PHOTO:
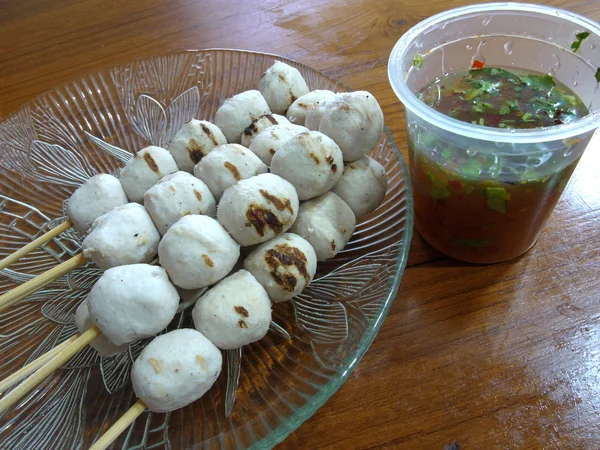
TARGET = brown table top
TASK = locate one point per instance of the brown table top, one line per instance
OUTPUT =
(501, 356)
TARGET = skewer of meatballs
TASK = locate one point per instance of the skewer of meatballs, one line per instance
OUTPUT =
(283, 172)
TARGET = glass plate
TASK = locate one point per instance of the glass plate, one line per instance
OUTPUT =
(52, 145)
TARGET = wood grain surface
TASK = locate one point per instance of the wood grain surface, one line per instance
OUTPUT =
(485, 357)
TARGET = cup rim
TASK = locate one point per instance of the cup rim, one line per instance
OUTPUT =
(517, 136)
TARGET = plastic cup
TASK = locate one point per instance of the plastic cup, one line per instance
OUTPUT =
(493, 210)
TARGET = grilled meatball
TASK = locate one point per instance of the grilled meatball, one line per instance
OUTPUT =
(96, 196)
(175, 369)
(226, 165)
(327, 222)
(235, 312)
(258, 209)
(261, 124)
(238, 112)
(299, 109)
(281, 85)
(362, 185)
(354, 120)
(311, 161)
(177, 195)
(125, 235)
(197, 252)
(132, 302)
(284, 266)
(194, 141)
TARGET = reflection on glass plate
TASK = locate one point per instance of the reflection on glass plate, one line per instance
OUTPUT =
(90, 125)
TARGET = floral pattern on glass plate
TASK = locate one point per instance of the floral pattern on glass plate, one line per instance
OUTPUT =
(267, 389)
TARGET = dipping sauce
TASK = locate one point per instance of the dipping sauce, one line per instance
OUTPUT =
(481, 206)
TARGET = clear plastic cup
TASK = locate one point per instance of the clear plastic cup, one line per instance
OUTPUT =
(493, 210)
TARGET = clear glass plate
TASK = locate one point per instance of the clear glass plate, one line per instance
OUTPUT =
(52, 145)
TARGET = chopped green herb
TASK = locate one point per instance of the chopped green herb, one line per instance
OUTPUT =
(482, 87)
(504, 109)
(579, 39)
(598, 75)
(502, 125)
(496, 198)
(481, 122)
(454, 112)
(514, 105)
(418, 61)
(447, 153)
(548, 106)
(538, 82)
(438, 190)
(495, 192)
(470, 171)
(463, 242)
(482, 107)
(526, 117)
(572, 99)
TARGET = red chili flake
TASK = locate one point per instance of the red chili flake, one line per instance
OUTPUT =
(477, 64)
(454, 184)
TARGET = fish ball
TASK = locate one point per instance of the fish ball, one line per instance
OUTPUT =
(362, 186)
(281, 85)
(177, 195)
(327, 222)
(311, 161)
(261, 124)
(96, 196)
(143, 171)
(226, 165)
(258, 209)
(267, 142)
(133, 302)
(284, 266)
(197, 252)
(238, 112)
(354, 120)
(124, 235)
(175, 369)
(235, 312)
(194, 141)
(299, 109)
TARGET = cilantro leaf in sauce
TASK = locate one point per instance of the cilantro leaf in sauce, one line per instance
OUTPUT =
(504, 109)
(418, 61)
(438, 189)
(482, 107)
(579, 39)
(496, 198)
(598, 75)
(538, 82)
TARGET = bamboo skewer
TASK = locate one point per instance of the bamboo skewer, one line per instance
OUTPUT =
(119, 426)
(62, 357)
(51, 354)
(40, 281)
(36, 243)
(34, 365)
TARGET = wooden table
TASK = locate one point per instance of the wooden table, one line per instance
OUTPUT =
(502, 356)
